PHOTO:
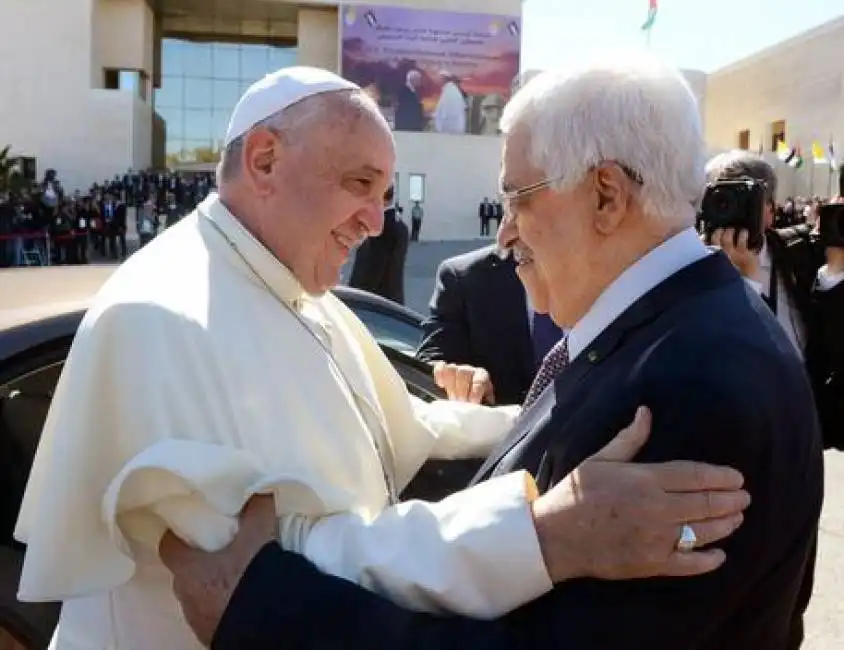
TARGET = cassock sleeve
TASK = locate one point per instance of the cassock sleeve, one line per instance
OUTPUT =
(474, 553)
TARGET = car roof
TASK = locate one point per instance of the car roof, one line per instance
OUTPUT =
(32, 294)
(29, 294)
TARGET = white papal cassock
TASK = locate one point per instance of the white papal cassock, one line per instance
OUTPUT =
(192, 385)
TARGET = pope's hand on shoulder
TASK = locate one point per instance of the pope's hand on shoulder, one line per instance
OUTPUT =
(609, 519)
(464, 383)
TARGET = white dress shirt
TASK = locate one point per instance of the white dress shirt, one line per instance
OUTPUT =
(665, 260)
(192, 385)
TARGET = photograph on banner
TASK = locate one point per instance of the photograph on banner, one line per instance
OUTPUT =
(437, 71)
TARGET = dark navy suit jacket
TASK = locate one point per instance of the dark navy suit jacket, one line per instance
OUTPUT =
(725, 386)
(479, 317)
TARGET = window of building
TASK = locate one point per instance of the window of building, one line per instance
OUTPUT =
(777, 133)
(133, 81)
(416, 187)
(744, 139)
(200, 84)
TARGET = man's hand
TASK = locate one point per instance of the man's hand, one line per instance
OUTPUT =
(204, 582)
(464, 383)
(614, 520)
(744, 259)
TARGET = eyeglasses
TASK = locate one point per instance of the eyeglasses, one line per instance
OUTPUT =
(509, 198)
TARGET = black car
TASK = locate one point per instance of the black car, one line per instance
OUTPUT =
(40, 311)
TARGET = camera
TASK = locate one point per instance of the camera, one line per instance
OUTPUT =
(831, 230)
(735, 203)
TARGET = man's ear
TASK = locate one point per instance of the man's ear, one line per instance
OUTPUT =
(612, 195)
(260, 156)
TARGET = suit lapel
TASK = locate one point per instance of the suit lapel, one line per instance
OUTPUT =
(710, 272)
(555, 395)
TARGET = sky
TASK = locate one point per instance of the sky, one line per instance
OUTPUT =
(691, 34)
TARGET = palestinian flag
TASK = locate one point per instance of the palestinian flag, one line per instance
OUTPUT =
(651, 19)
(796, 161)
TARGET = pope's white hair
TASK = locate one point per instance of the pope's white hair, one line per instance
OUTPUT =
(627, 108)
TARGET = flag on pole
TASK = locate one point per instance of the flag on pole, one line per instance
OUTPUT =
(833, 163)
(796, 161)
(784, 152)
(651, 19)
(818, 154)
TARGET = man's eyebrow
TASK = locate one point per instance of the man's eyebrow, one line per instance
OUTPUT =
(369, 169)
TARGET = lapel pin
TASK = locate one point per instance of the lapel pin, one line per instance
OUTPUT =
(592, 356)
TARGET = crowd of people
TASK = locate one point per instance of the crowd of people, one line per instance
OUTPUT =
(41, 223)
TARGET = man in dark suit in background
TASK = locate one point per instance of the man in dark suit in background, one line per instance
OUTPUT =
(379, 261)
(601, 224)
(480, 317)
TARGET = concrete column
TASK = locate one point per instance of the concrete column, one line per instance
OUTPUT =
(318, 38)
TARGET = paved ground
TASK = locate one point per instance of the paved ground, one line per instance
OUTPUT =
(825, 619)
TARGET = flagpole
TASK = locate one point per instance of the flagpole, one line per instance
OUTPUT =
(812, 178)
(831, 163)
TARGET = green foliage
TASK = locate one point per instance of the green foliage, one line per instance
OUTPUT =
(11, 178)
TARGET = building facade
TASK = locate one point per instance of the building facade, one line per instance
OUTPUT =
(792, 92)
(151, 83)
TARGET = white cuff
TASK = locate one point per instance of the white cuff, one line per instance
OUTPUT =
(475, 553)
(827, 280)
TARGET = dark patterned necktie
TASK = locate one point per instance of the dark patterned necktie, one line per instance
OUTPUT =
(552, 365)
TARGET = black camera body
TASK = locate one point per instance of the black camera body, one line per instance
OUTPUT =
(735, 203)
(831, 230)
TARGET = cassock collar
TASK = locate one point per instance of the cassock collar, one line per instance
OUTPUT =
(277, 276)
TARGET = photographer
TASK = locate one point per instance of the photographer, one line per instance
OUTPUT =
(799, 275)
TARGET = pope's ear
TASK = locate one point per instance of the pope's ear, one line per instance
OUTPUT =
(259, 158)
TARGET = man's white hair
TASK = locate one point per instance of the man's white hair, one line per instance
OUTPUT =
(629, 109)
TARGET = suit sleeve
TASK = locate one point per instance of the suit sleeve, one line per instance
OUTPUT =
(824, 356)
(446, 331)
(282, 598)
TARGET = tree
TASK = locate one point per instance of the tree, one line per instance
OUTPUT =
(11, 178)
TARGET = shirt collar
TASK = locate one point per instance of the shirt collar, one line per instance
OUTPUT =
(278, 277)
(665, 260)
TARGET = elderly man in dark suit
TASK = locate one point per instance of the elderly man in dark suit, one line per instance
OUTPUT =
(600, 214)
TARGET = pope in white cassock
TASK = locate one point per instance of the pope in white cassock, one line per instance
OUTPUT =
(207, 371)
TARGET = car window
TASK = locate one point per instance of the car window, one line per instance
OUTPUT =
(389, 330)
(24, 402)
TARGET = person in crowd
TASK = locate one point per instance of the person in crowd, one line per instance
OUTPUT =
(800, 280)
(417, 213)
(600, 215)
(486, 213)
(263, 381)
(380, 260)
